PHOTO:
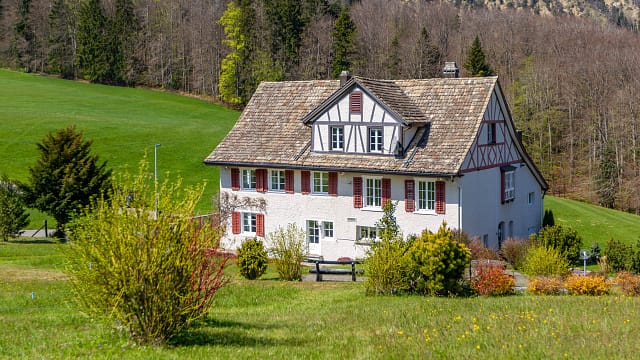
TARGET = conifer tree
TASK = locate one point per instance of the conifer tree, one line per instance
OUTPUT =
(476, 64)
(23, 45)
(66, 176)
(13, 215)
(122, 30)
(429, 57)
(61, 50)
(343, 43)
(93, 55)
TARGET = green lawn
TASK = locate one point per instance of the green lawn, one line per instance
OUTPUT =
(594, 223)
(269, 319)
(123, 123)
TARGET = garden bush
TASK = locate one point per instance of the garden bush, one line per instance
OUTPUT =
(436, 263)
(562, 238)
(513, 251)
(481, 252)
(252, 259)
(491, 280)
(544, 285)
(386, 268)
(619, 255)
(13, 212)
(587, 285)
(289, 248)
(543, 261)
(627, 283)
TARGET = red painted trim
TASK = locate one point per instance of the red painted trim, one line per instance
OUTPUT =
(333, 183)
(261, 179)
(440, 197)
(235, 222)
(357, 192)
(409, 196)
(355, 102)
(235, 179)
(386, 191)
(260, 224)
(288, 181)
(305, 182)
(491, 166)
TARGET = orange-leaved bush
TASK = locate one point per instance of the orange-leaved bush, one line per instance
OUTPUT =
(587, 285)
(491, 280)
(545, 285)
(627, 283)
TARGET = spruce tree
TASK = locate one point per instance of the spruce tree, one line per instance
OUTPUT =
(476, 64)
(343, 43)
(123, 29)
(66, 176)
(61, 50)
(93, 54)
(13, 214)
(23, 46)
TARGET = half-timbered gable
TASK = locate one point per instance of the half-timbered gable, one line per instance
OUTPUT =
(327, 156)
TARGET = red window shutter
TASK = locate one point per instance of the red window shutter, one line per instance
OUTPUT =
(357, 192)
(260, 180)
(333, 183)
(409, 196)
(440, 201)
(355, 102)
(305, 182)
(288, 181)
(265, 180)
(386, 191)
(235, 222)
(502, 187)
(235, 179)
(260, 224)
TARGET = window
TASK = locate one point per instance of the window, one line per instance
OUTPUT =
(320, 182)
(491, 133)
(277, 180)
(327, 229)
(313, 231)
(531, 198)
(427, 195)
(373, 192)
(375, 140)
(367, 233)
(249, 179)
(337, 138)
(249, 222)
(509, 185)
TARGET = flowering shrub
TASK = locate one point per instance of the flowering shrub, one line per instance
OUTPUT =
(587, 285)
(544, 285)
(543, 261)
(628, 283)
(490, 280)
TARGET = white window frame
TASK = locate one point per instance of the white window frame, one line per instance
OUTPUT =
(248, 179)
(279, 184)
(320, 182)
(249, 223)
(368, 230)
(328, 232)
(372, 192)
(337, 138)
(313, 231)
(509, 185)
(426, 196)
(376, 139)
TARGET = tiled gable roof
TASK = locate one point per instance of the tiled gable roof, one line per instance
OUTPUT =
(270, 131)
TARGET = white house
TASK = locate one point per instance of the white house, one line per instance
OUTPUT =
(326, 155)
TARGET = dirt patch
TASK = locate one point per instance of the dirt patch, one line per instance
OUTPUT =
(13, 273)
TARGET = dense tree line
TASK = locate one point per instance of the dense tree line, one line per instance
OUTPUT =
(573, 83)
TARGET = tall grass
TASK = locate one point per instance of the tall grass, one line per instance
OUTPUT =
(309, 320)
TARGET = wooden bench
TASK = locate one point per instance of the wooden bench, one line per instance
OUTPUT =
(319, 271)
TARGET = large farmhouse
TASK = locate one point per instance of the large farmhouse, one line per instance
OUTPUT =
(327, 155)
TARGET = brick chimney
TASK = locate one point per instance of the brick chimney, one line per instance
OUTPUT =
(450, 70)
(344, 77)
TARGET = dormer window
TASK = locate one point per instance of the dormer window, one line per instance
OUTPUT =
(337, 138)
(375, 140)
(355, 102)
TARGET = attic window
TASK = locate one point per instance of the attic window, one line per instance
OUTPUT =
(355, 102)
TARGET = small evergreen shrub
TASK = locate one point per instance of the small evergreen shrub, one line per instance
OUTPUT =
(491, 280)
(627, 283)
(544, 285)
(562, 238)
(513, 251)
(436, 263)
(386, 267)
(587, 285)
(543, 261)
(619, 255)
(252, 259)
(289, 249)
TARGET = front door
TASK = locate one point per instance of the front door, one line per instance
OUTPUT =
(313, 237)
(500, 234)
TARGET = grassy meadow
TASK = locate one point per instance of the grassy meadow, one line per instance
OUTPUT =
(124, 124)
(267, 318)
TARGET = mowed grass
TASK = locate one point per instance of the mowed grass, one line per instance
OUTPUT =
(269, 319)
(594, 223)
(124, 124)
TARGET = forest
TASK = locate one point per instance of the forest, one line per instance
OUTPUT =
(572, 83)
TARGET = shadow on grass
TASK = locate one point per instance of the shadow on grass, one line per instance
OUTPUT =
(34, 241)
(211, 332)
